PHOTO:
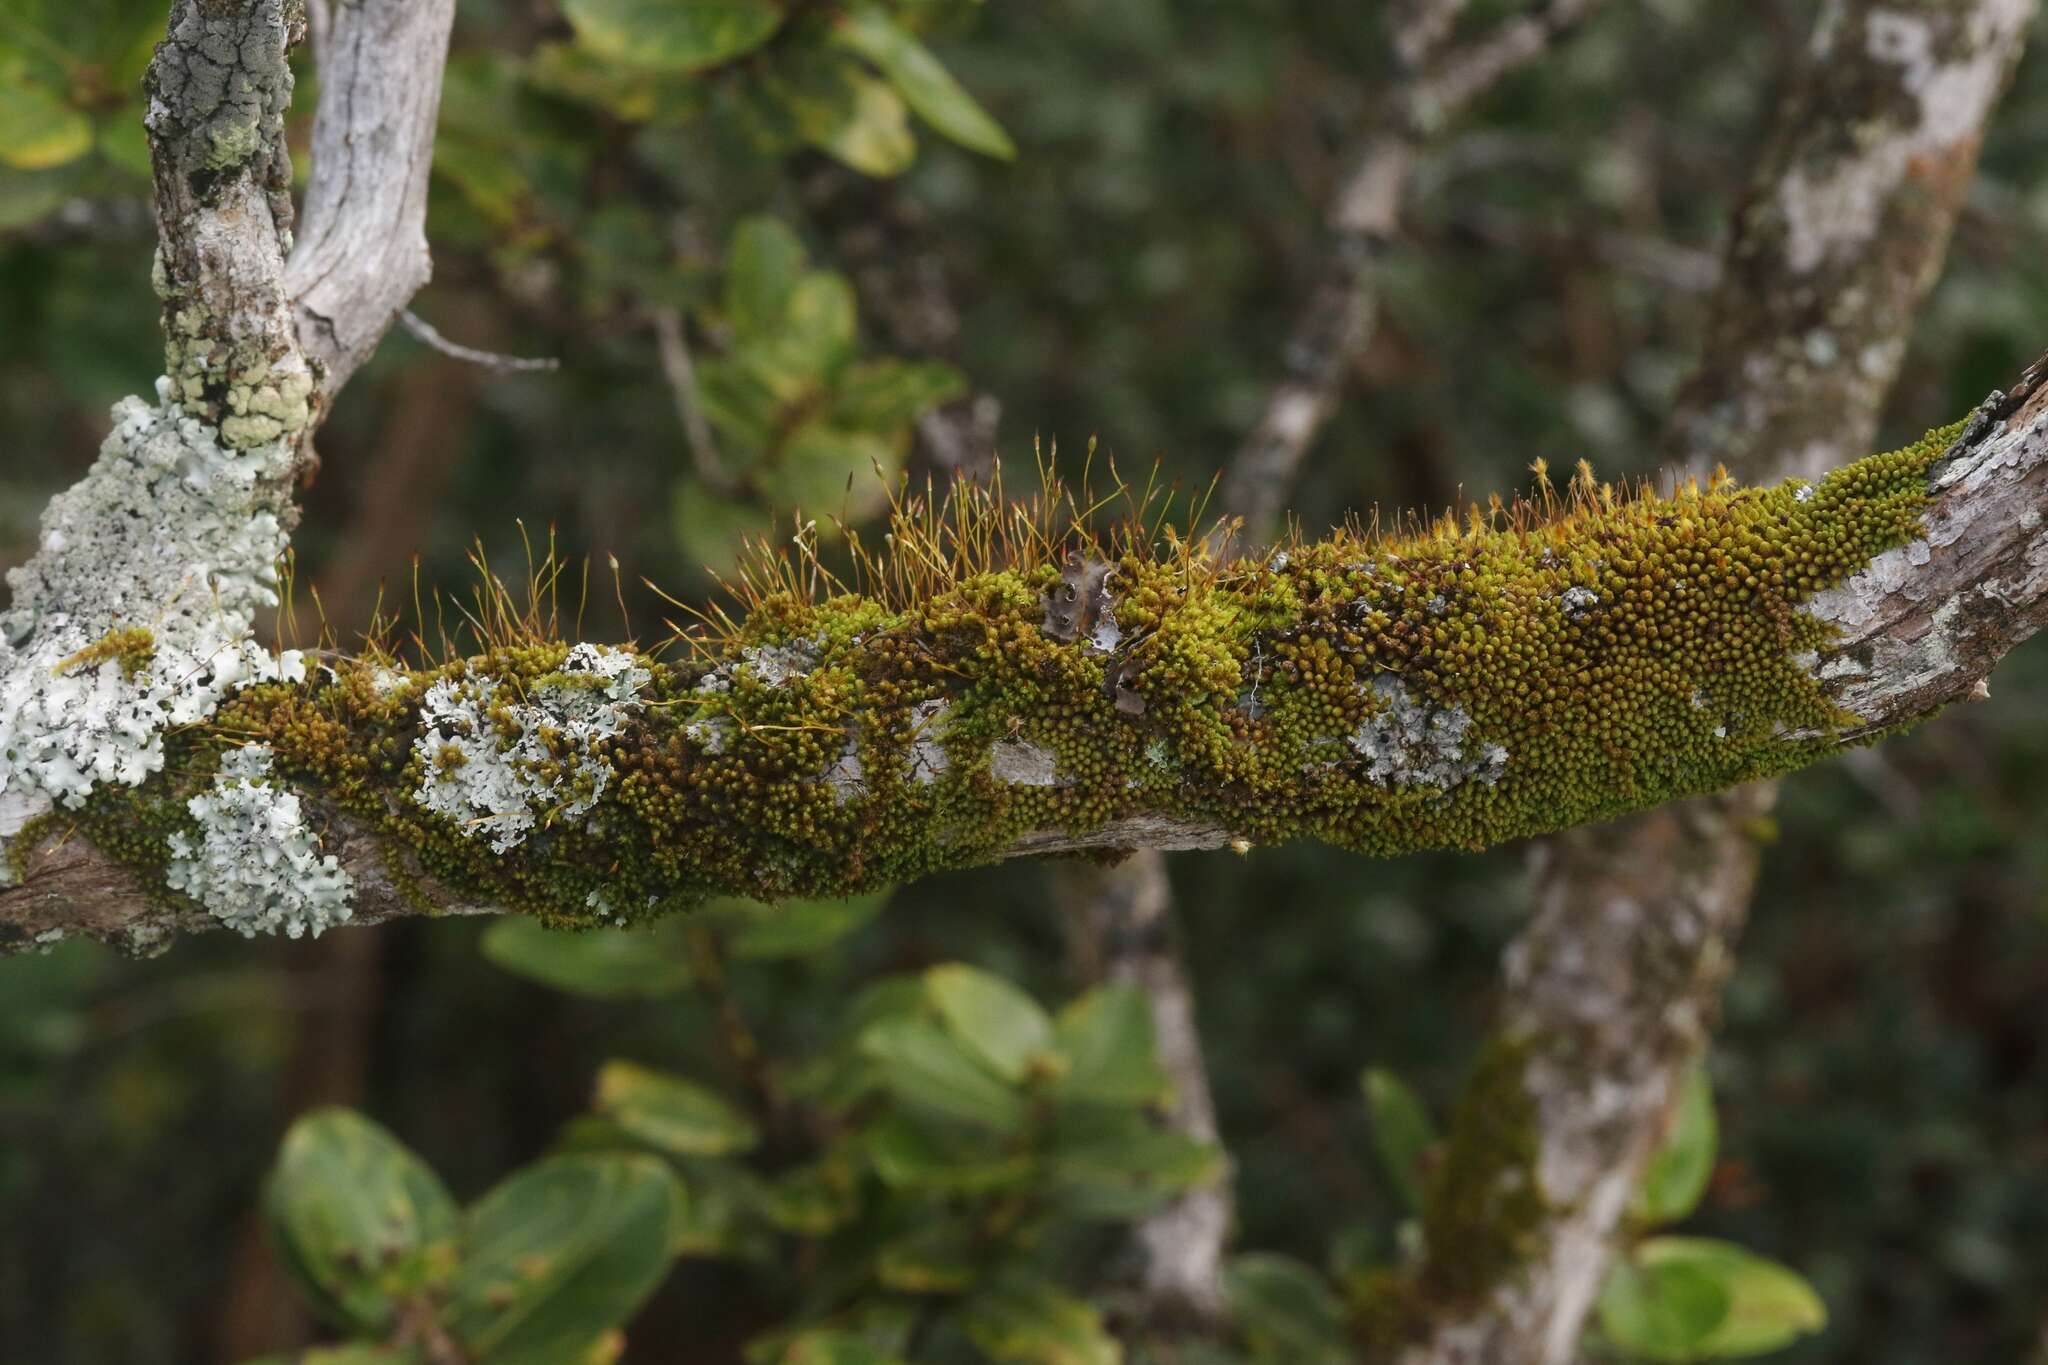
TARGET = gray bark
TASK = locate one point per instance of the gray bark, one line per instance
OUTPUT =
(362, 248)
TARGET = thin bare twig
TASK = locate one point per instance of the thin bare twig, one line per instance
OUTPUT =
(681, 373)
(422, 330)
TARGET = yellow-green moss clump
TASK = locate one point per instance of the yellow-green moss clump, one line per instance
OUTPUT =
(1465, 684)
(132, 646)
(1482, 1208)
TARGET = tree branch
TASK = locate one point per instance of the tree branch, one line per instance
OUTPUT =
(1341, 691)
(362, 247)
(1364, 217)
(1616, 978)
(219, 86)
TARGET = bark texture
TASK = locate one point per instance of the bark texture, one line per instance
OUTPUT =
(219, 87)
(1837, 240)
(362, 247)
(1843, 230)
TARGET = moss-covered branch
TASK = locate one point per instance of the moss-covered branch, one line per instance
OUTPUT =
(1477, 681)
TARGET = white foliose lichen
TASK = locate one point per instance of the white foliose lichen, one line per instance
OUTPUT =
(536, 758)
(1410, 743)
(256, 866)
(170, 531)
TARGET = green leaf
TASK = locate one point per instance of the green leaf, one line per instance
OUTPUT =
(361, 1220)
(888, 395)
(937, 1257)
(38, 129)
(722, 1216)
(673, 1114)
(924, 1065)
(826, 469)
(604, 964)
(762, 265)
(1109, 1162)
(710, 529)
(360, 1353)
(1678, 1173)
(1401, 1134)
(560, 1254)
(839, 108)
(742, 405)
(928, 87)
(831, 1347)
(817, 332)
(816, 1199)
(804, 928)
(1106, 1040)
(1001, 1024)
(1034, 1322)
(672, 35)
(1663, 1312)
(124, 144)
(1285, 1310)
(907, 1154)
(874, 138)
(1769, 1305)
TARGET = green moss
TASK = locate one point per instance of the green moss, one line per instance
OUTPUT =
(1483, 1203)
(1621, 652)
(1482, 1210)
(133, 646)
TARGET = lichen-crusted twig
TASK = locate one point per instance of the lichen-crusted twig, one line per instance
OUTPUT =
(1462, 685)
(218, 90)
(1364, 216)
(1617, 975)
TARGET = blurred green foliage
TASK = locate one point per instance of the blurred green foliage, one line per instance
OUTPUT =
(817, 1133)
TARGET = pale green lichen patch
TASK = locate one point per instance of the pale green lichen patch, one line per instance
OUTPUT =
(251, 860)
(134, 614)
(497, 759)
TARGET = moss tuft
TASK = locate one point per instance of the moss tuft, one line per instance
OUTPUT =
(134, 647)
(1482, 1209)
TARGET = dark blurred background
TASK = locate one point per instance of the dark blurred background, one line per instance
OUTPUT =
(1883, 1069)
